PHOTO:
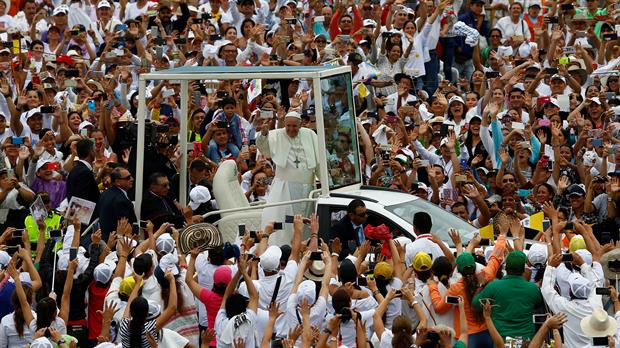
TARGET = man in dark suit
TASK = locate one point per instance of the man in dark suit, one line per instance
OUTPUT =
(114, 203)
(196, 176)
(350, 229)
(81, 180)
(157, 205)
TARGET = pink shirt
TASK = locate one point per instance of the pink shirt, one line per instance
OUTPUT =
(212, 302)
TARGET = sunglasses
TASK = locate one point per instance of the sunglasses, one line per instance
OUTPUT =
(364, 214)
(508, 180)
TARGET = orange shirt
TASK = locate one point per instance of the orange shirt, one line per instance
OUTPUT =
(458, 289)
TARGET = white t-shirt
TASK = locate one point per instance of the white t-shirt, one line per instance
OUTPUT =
(171, 339)
(268, 285)
(247, 333)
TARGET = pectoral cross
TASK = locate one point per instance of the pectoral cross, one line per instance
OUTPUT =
(296, 161)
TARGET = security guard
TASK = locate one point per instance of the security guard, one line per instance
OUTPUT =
(52, 221)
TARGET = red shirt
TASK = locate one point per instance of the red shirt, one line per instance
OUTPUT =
(96, 296)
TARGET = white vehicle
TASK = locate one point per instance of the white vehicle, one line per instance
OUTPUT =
(334, 107)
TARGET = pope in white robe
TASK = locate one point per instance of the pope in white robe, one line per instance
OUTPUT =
(294, 150)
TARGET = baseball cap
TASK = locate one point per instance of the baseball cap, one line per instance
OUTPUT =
(62, 9)
(270, 259)
(515, 262)
(576, 189)
(537, 254)
(456, 98)
(307, 291)
(85, 124)
(199, 195)
(384, 270)
(558, 77)
(422, 262)
(103, 272)
(222, 275)
(165, 244)
(41, 342)
(169, 262)
(465, 263)
(576, 243)
(103, 3)
(4, 258)
(369, 22)
(126, 286)
(579, 286)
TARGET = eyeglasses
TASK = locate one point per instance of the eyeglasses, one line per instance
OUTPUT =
(364, 214)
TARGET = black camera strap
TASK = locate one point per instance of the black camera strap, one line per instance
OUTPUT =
(274, 296)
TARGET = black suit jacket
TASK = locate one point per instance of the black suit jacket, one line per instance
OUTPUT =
(81, 183)
(159, 210)
(343, 230)
(114, 205)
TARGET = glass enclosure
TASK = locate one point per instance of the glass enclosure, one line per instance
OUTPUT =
(340, 132)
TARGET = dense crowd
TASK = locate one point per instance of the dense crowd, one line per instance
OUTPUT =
(503, 113)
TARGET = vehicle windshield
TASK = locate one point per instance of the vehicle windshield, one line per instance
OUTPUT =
(442, 220)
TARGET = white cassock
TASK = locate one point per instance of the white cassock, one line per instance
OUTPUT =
(297, 165)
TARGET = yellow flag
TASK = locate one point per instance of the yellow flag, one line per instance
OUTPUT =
(363, 92)
(536, 221)
(487, 232)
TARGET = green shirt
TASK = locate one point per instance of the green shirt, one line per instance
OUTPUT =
(515, 300)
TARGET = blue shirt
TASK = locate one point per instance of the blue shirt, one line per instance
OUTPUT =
(470, 19)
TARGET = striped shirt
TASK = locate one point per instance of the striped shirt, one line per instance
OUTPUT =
(125, 333)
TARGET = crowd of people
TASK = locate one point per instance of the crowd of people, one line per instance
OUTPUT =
(500, 112)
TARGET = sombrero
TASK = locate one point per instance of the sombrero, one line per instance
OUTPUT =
(204, 236)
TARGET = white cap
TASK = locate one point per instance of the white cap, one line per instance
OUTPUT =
(103, 272)
(596, 100)
(369, 22)
(580, 286)
(41, 342)
(198, 195)
(73, 53)
(270, 259)
(537, 254)
(41, 162)
(85, 124)
(456, 98)
(558, 77)
(165, 244)
(306, 290)
(103, 3)
(4, 259)
(169, 262)
(61, 9)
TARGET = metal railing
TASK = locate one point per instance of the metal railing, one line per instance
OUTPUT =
(262, 205)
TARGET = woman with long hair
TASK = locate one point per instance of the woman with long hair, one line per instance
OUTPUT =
(14, 330)
(46, 313)
(466, 288)
(136, 324)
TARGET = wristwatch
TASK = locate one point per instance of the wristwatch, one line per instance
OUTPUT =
(60, 341)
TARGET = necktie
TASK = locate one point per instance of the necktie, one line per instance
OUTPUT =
(360, 234)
